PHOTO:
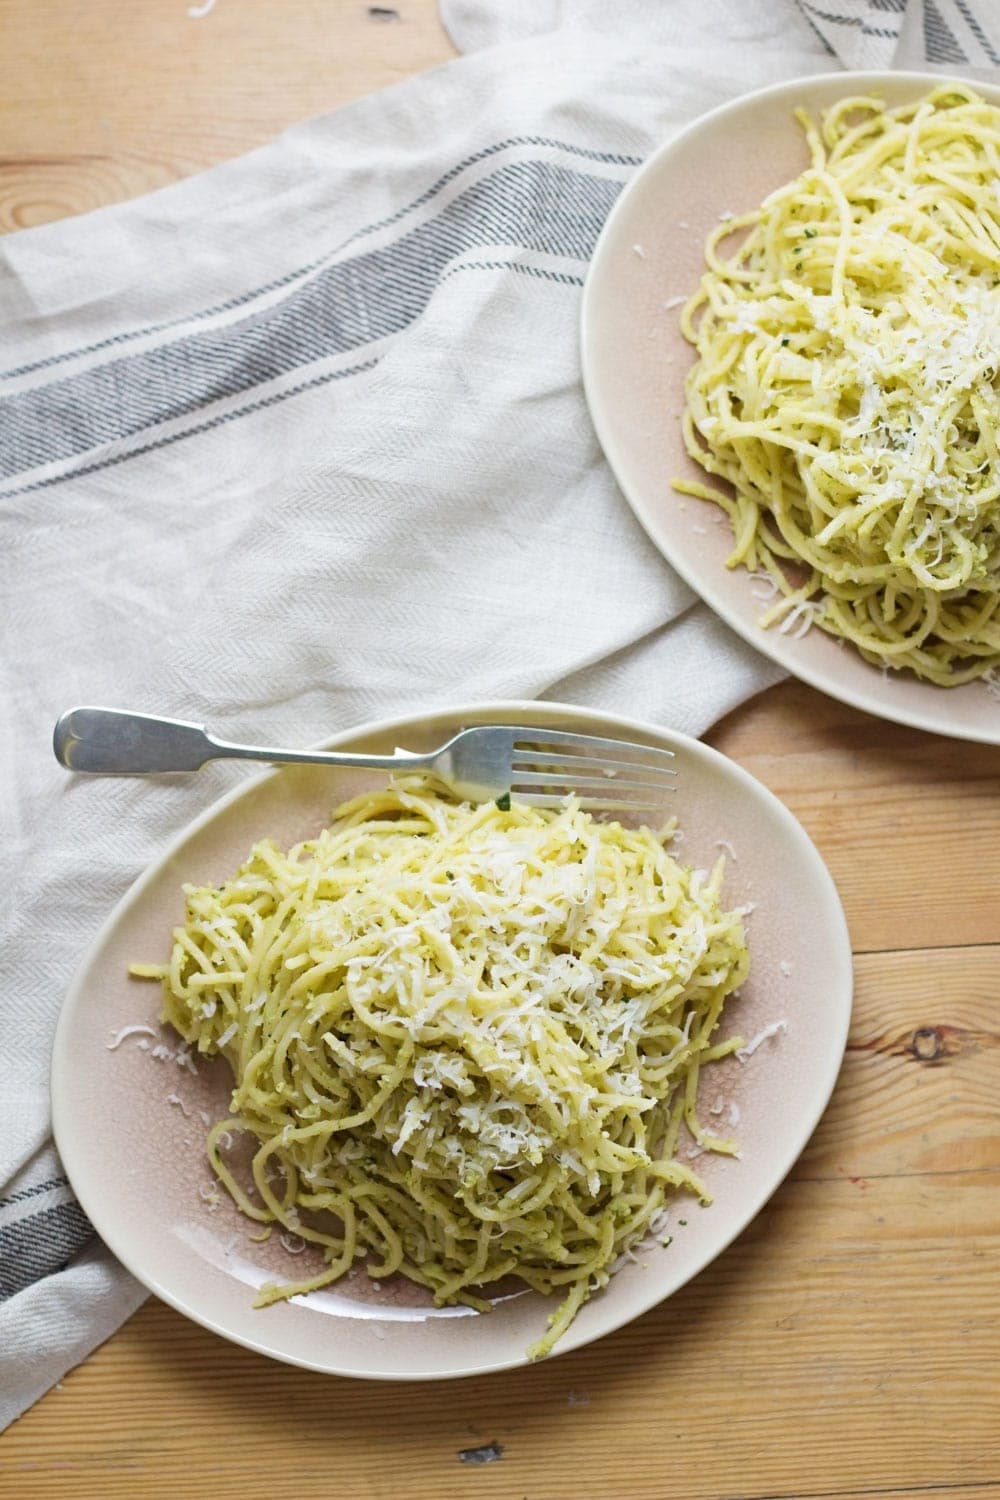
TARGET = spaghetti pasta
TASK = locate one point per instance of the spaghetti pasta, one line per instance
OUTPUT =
(464, 1038)
(846, 384)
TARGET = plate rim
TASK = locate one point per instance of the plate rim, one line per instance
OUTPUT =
(765, 642)
(839, 996)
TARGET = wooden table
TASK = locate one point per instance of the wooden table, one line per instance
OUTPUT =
(848, 1344)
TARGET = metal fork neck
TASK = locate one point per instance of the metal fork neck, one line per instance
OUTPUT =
(226, 750)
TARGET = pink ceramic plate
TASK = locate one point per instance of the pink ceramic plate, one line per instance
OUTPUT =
(130, 1126)
(635, 360)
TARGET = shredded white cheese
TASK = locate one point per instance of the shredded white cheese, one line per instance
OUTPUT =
(501, 1004)
(745, 1053)
(128, 1031)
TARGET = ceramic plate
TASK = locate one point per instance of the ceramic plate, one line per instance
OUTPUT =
(635, 360)
(130, 1126)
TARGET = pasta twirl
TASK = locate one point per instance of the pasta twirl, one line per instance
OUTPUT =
(464, 1038)
(846, 384)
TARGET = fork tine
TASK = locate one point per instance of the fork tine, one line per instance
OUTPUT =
(588, 804)
(564, 776)
(583, 743)
(570, 766)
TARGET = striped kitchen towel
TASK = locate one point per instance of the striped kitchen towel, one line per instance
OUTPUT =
(301, 441)
(918, 34)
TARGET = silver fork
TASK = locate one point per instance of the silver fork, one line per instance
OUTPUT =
(532, 764)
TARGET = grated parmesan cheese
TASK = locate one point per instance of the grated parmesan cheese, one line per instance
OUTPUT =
(126, 1032)
(745, 1053)
(501, 1009)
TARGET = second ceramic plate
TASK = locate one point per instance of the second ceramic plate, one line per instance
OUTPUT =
(635, 359)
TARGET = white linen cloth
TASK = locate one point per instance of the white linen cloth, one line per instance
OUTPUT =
(301, 441)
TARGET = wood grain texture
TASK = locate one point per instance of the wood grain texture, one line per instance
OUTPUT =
(908, 822)
(918, 1092)
(847, 1345)
(105, 100)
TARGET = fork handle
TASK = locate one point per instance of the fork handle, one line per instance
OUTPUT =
(114, 742)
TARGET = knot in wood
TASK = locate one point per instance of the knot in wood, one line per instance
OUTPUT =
(927, 1044)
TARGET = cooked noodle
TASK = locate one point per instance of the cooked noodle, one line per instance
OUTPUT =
(846, 384)
(465, 1038)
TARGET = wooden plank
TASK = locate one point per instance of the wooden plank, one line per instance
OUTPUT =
(102, 101)
(919, 1088)
(909, 823)
(945, 1491)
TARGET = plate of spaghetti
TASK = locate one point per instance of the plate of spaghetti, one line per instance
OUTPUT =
(386, 1084)
(791, 349)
